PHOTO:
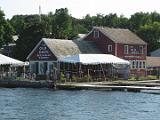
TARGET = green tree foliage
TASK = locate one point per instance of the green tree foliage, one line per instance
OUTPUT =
(123, 22)
(9, 31)
(151, 34)
(28, 39)
(88, 22)
(139, 19)
(111, 20)
(6, 30)
(155, 17)
(30, 30)
(62, 24)
(80, 29)
(2, 21)
(19, 22)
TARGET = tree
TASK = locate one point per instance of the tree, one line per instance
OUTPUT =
(2, 21)
(18, 23)
(139, 19)
(80, 29)
(46, 21)
(88, 22)
(9, 31)
(151, 34)
(6, 30)
(155, 17)
(123, 22)
(111, 20)
(28, 39)
(62, 24)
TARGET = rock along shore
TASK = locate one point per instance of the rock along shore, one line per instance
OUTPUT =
(12, 83)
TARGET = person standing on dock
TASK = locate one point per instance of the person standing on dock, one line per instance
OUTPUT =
(55, 77)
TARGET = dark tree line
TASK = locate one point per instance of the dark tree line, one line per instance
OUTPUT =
(6, 30)
(31, 28)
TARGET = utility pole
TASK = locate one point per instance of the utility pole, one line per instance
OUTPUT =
(40, 12)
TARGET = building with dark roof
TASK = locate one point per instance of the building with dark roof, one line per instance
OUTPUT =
(46, 53)
(7, 49)
(156, 53)
(122, 43)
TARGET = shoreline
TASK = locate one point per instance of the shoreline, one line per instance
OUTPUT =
(7, 83)
(123, 85)
(129, 86)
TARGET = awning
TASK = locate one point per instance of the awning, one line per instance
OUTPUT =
(94, 59)
(5, 60)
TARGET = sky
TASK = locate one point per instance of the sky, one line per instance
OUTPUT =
(79, 8)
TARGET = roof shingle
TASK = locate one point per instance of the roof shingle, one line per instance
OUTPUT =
(61, 48)
(118, 35)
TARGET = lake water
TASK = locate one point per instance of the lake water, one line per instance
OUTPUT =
(45, 104)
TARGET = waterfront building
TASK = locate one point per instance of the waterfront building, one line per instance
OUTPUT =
(44, 56)
(122, 43)
(7, 49)
(100, 40)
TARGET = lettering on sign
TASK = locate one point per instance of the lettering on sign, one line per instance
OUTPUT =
(132, 56)
(43, 52)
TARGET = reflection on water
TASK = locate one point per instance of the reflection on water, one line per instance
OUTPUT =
(45, 104)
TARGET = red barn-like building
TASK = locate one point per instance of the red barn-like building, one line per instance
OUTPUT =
(122, 43)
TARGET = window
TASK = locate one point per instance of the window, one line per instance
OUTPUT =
(45, 67)
(140, 64)
(125, 49)
(140, 49)
(96, 34)
(133, 64)
(35, 67)
(109, 48)
(137, 64)
(144, 65)
(50, 68)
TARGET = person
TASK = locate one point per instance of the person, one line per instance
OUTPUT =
(67, 74)
(55, 73)
(51, 75)
(47, 74)
(33, 76)
(28, 75)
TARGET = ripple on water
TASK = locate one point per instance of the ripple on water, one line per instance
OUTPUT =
(45, 104)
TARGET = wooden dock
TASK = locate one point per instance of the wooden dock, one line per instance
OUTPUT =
(119, 87)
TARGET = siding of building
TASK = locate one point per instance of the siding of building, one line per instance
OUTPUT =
(102, 42)
(134, 55)
(42, 53)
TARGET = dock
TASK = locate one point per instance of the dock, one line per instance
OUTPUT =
(117, 86)
(130, 86)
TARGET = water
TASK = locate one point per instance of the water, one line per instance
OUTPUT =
(45, 104)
